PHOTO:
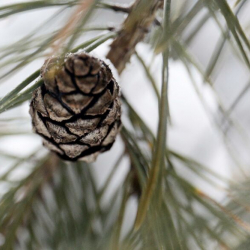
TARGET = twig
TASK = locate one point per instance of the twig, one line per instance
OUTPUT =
(115, 7)
(134, 28)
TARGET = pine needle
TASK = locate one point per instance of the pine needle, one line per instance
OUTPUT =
(158, 157)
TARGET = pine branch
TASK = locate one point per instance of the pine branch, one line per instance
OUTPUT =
(167, 210)
(134, 28)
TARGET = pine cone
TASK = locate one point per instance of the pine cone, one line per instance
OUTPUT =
(77, 109)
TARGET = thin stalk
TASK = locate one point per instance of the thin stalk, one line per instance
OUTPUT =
(110, 176)
(22, 7)
(158, 156)
(99, 41)
(114, 7)
(238, 99)
(221, 43)
(149, 75)
(118, 226)
(19, 87)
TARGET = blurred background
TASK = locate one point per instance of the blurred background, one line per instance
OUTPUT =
(209, 99)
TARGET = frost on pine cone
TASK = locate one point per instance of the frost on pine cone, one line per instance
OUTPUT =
(77, 109)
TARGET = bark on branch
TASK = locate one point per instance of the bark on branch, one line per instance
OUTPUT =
(134, 28)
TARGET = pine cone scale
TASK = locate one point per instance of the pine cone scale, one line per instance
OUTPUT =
(64, 82)
(55, 109)
(82, 126)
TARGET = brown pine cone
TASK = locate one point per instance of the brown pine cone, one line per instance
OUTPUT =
(77, 110)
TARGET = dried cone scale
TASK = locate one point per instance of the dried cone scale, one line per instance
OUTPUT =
(77, 109)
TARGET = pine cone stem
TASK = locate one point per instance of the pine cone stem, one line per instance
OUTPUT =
(134, 28)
